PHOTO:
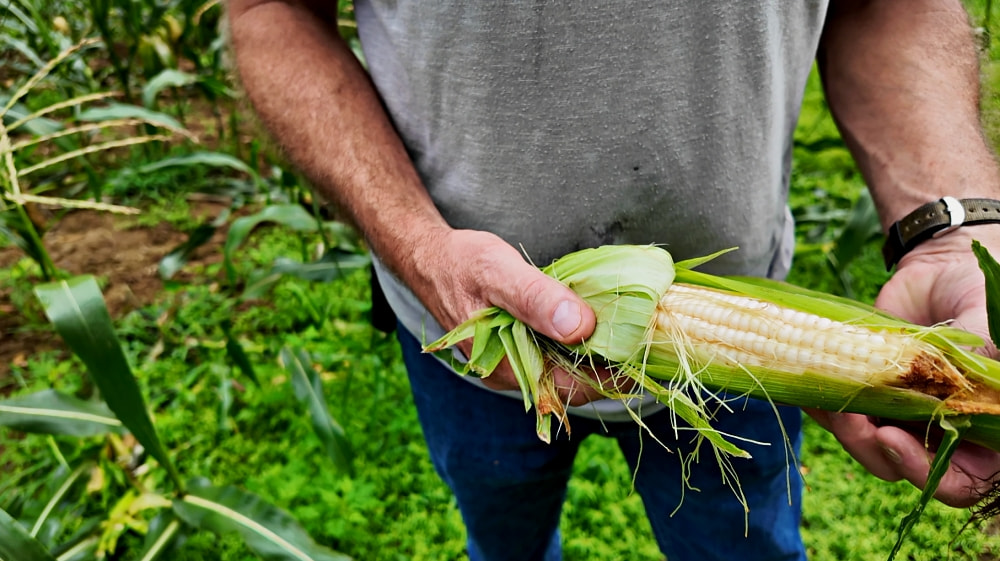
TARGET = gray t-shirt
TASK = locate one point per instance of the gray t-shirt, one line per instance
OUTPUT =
(560, 125)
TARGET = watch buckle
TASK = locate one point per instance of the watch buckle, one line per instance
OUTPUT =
(956, 215)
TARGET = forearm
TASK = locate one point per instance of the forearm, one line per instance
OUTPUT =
(318, 102)
(902, 81)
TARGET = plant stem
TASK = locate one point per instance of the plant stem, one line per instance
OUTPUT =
(56, 451)
(75, 550)
(164, 540)
(43, 258)
(99, 15)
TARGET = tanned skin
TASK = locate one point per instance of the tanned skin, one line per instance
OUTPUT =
(310, 91)
(901, 77)
(902, 80)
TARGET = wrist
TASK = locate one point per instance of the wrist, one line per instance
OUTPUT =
(955, 246)
(417, 254)
(937, 220)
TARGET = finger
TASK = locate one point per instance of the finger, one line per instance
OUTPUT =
(962, 485)
(542, 302)
(572, 390)
(502, 378)
(603, 382)
(857, 434)
(975, 321)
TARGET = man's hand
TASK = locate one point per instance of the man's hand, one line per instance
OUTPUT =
(902, 80)
(333, 126)
(892, 453)
(462, 271)
(939, 281)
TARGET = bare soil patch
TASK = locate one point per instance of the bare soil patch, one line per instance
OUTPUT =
(125, 257)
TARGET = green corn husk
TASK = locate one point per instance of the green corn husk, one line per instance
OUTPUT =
(624, 286)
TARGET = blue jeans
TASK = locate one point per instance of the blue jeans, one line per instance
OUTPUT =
(510, 486)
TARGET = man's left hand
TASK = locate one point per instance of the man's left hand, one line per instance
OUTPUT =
(939, 281)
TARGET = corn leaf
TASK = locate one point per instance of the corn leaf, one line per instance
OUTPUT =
(202, 158)
(76, 308)
(167, 78)
(56, 497)
(38, 126)
(75, 101)
(15, 227)
(25, 20)
(289, 215)
(527, 381)
(309, 390)
(487, 350)
(165, 530)
(954, 428)
(123, 111)
(695, 262)
(84, 550)
(266, 529)
(22, 47)
(496, 335)
(334, 264)
(239, 356)
(17, 545)
(179, 256)
(862, 226)
(623, 285)
(991, 270)
(82, 544)
(225, 397)
(494, 317)
(91, 149)
(51, 412)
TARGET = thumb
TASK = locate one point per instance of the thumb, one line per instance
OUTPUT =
(546, 305)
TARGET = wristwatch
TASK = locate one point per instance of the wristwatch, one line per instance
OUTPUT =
(933, 220)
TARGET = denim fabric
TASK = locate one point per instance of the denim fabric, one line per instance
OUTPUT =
(510, 486)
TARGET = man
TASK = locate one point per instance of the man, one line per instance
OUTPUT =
(560, 125)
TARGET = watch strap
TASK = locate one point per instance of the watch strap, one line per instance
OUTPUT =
(933, 220)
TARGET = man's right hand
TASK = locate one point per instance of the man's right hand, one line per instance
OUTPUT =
(463, 271)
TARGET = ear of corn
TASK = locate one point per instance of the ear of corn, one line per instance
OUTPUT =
(882, 366)
(690, 339)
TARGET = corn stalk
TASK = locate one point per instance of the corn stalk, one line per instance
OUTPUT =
(16, 219)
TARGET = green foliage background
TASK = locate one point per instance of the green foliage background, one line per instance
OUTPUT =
(395, 508)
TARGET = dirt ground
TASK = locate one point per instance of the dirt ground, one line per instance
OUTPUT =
(108, 246)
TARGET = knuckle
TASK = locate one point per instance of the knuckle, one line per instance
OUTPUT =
(533, 294)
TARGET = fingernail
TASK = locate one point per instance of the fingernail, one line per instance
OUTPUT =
(893, 456)
(567, 318)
